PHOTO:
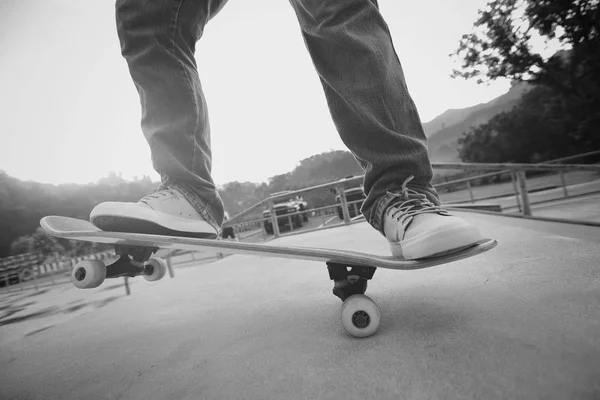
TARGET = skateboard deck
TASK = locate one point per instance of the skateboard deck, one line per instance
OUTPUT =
(71, 228)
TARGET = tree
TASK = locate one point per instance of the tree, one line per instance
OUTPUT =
(561, 115)
(537, 129)
(39, 242)
(502, 45)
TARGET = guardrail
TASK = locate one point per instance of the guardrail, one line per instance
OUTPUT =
(517, 172)
(39, 273)
(256, 226)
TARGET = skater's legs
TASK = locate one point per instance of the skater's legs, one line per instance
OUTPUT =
(158, 40)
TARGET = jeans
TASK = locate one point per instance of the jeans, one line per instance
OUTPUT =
(352, 51)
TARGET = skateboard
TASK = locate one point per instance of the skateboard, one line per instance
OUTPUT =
(350, 270)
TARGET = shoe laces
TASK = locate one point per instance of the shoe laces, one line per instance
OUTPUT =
(157, 195)
(404, 207)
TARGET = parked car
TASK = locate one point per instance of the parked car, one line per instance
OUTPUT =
(353, 194)
(282, 209)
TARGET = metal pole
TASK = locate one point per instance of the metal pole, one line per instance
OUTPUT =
(514, 182)
(564, 183)
(274, 222)
(344, 204)
(470, 191)
(52, 273)
(35, 278)
(170, 266)
(127, 290)
(522, 178)
(7, 283)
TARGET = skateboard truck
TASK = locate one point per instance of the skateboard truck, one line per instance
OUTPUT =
(132, 261)
(349, 279)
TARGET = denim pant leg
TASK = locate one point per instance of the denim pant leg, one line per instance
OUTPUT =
(352, 50)
(158, 40)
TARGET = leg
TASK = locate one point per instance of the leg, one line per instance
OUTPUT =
(158, 41)
(364, 84)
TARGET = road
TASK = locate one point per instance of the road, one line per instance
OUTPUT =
(521, 321)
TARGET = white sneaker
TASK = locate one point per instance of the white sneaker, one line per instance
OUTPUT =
(165, 212)
(417, 228)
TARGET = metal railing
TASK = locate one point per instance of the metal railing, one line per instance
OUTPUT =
(517, 171)
(38, 274)
(518, 177)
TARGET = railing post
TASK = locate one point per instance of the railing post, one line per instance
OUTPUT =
(470, 191)
(522, 178)
(344, 204)
(170, 266)
(7, 283)
(126, 283)
(35, 278)
(564, 183)
(514, 182)
(274, 222)
(291, 223)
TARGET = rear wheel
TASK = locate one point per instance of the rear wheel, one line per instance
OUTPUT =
(157, 268)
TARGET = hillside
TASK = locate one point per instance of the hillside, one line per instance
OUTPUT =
(448, 118)
(23, 204)
(453, 123)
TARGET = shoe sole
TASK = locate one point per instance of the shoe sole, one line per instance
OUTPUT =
(130, 217)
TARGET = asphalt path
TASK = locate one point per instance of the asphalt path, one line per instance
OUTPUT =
(521, 321)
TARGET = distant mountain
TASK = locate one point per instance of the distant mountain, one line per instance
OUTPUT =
(444, 131)
(448, 118)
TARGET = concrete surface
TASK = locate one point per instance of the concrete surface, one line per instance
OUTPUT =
(580, 208)
(521, 322)
(547, 198)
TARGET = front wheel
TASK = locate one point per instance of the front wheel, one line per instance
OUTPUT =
(360, 316)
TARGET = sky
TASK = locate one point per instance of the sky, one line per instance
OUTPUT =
(70, 112)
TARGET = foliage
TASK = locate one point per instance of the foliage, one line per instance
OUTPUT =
(317, 169)
(39, 242)
(23, 204)
(502, 44)
(559, 117)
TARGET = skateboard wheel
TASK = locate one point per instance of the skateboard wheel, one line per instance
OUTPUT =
(360, 316)
(88, 274)
(157, 268)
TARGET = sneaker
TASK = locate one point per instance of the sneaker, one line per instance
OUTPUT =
(416, 228)
(165, 212)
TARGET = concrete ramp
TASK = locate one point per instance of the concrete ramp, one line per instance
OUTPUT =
(521, 321)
